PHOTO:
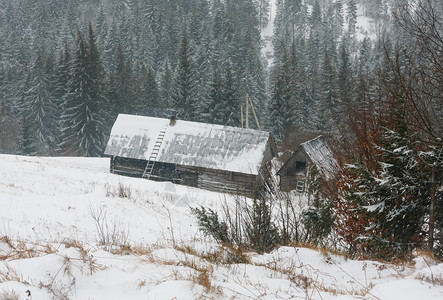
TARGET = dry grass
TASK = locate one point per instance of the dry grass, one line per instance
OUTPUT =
(20, 249)
(7, 273)
(58, 290)
(121, 191)
(88, 188)
(198, 269)
(326, 252)
(85, 257)
(141, 283)
(110, 232)
(9, 295)
(203, 277)
(430, 260)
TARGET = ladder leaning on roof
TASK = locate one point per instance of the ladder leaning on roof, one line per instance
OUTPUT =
(155, 151)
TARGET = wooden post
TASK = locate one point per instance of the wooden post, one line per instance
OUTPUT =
(255, 116)
(247, 112)
(112, 164)
(432, 211)
(241, 112)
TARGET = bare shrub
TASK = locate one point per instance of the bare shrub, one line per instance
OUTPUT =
(110, 233)
(89, 188)
(247, 225)
(124, 191)
(59, 290)
(121, 191)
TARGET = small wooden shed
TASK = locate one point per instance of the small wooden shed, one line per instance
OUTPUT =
(212, 157)
(295, 170)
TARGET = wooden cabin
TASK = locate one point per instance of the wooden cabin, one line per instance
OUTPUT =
(212, 157)
(315, 152)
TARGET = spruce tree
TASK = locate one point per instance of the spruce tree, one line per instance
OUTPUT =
(351, 15)
(122, 96)
(150, 101)
(185, 93)
(39, 108)
(277, 108)
(165, 89)
(230, 104)
(85, 106)
(213, 105)
(329, 105)
(263, 7)
(345, 80)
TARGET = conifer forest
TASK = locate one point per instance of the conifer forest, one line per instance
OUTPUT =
(69, 67)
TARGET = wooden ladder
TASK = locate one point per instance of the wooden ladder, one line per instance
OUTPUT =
(274, 181)
(300, 186)
(155, 151)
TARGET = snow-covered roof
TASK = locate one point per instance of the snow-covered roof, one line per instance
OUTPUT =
(189, 143)
(321, 155)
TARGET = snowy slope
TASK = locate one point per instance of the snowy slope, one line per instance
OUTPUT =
(50, 245)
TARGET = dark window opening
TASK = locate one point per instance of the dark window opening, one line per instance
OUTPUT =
(300, 168)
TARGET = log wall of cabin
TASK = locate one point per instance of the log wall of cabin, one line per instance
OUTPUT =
(161, 171)
(208, 179)
(224, 181)
(127, 166)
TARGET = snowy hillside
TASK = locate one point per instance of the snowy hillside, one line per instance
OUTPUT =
(71, 230)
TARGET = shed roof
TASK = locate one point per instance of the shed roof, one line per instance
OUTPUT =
(321, 155)
(189, 143)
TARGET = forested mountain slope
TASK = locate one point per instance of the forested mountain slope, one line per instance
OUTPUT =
(67, 68)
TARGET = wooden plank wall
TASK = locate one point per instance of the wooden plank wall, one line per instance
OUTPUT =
(128, 166)
(208, 179)
(223, 181)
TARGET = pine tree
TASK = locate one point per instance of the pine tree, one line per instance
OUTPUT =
(351, 15)
(213, 105)
(282, 110)
(150, 100)
(345, 80)
(122, 96)
(229, 102)
(85, 106)
(61, 85)
(263, 8)
(40, 109)
(165, 90)
(185, 93)
(394, 198)
(261, 231)
(9, 123)
(277, 108)
(329, 105)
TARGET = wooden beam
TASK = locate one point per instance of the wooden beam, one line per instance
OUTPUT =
(255, 116)
(241, 112)
(247, 112)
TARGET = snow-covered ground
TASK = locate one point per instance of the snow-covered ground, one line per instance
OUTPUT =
(365, 26)
(52, 211)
